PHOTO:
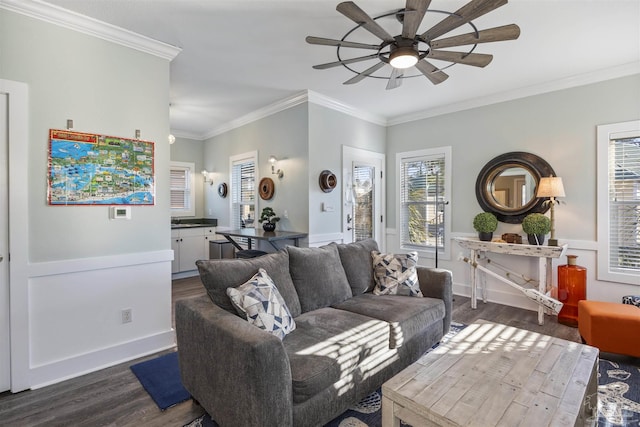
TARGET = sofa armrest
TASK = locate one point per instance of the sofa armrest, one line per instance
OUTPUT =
(438, 283)
(239, 373)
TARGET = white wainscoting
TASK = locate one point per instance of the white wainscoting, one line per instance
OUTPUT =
(75, 313)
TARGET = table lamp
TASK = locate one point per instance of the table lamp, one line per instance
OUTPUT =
(551, 187)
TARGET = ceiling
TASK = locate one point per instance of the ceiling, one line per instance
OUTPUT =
(239, 56)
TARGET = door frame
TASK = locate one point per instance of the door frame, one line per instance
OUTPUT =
(350, 155)
(18, 142)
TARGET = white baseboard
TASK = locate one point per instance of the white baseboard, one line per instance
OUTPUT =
(496, 296)
(72, 367)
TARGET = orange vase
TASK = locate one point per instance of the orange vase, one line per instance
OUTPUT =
(572, 287)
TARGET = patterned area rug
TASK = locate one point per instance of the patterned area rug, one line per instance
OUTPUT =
(618, 399)
(618, 394)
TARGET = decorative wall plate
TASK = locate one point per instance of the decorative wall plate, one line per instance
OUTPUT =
(327, 181)
(266, 189)
(222, 190)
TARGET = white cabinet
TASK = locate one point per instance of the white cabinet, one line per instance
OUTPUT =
(189, 245)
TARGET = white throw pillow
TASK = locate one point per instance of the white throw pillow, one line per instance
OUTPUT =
(259, 301)
(396, 274)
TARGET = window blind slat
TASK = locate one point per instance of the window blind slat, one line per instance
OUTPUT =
(624, 204)
(243, 193)
(422, 185)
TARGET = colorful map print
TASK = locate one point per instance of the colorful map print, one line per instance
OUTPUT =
(88, 169)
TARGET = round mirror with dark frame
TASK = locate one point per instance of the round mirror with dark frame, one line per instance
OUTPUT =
(506, 186)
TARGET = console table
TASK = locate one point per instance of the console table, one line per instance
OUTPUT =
(544, 254)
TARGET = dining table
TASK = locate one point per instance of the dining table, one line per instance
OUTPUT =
(259, 234)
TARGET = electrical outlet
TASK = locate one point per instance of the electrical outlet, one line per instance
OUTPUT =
(127, 315)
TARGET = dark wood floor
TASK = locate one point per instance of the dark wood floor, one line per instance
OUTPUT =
(114, 397)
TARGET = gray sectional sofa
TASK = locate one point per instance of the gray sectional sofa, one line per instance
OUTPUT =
(347, 340)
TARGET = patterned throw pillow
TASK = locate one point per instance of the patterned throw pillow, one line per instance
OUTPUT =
(396, 274)
(259, 301)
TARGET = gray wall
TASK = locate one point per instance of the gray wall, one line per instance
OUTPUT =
(106, 89)
(284, 135)
(560, 127)
(83, 269)
(329, 131)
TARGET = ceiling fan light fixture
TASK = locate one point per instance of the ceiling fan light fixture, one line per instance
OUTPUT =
(403, 57)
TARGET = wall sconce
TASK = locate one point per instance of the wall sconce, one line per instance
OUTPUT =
(172, 139)
(551, 187)
(207, 177)
(279, 172)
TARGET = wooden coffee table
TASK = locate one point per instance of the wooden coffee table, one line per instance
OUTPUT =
(496, 375)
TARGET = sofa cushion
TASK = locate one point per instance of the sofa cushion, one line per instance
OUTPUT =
(219, 274)
(327, 345)
(396, 274)
(261, 304)
(318, 276)
(356, 260)
(406, 317)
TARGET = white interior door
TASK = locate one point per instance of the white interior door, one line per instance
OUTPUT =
(363, 195)
(5, 349)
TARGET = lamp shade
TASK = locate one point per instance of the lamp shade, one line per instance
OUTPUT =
(550, 187)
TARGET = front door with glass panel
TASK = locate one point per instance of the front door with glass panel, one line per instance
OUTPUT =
(363, 216)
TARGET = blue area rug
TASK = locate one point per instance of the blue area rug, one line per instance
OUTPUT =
(160, 377)
(618, 394)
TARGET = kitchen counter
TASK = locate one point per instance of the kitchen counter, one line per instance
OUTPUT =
(193, 223)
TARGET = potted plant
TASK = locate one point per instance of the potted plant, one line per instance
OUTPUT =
(536, 225)
(268, 218)
(485, 224)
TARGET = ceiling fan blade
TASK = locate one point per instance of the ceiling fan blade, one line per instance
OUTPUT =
(395, 80)
(413, 13)
(360, 17)
(344, 61)
(466, 13)
(341, 43)
(474, 59)
(497, 34)
(366, 73)
(432, 73)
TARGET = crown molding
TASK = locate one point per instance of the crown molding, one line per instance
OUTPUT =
(325, 101)
(566, 83)
(74, 21)
(276, 107)
(292, 101)
(179, 133)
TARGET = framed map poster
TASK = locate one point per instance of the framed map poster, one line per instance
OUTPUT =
(90, 169)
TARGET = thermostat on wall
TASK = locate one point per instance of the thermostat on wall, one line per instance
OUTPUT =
(120, 212)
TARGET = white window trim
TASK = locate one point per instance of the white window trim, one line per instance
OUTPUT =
(606, 133)
(251, 155)
(444, 253)
(192, 191)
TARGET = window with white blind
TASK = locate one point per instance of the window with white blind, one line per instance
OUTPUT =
(243, 190)
(619, 202)
(182, 194)
(425, 188)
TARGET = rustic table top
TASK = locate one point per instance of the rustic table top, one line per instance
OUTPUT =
(491, 374)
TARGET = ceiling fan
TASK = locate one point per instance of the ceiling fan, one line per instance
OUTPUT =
(413, 49)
